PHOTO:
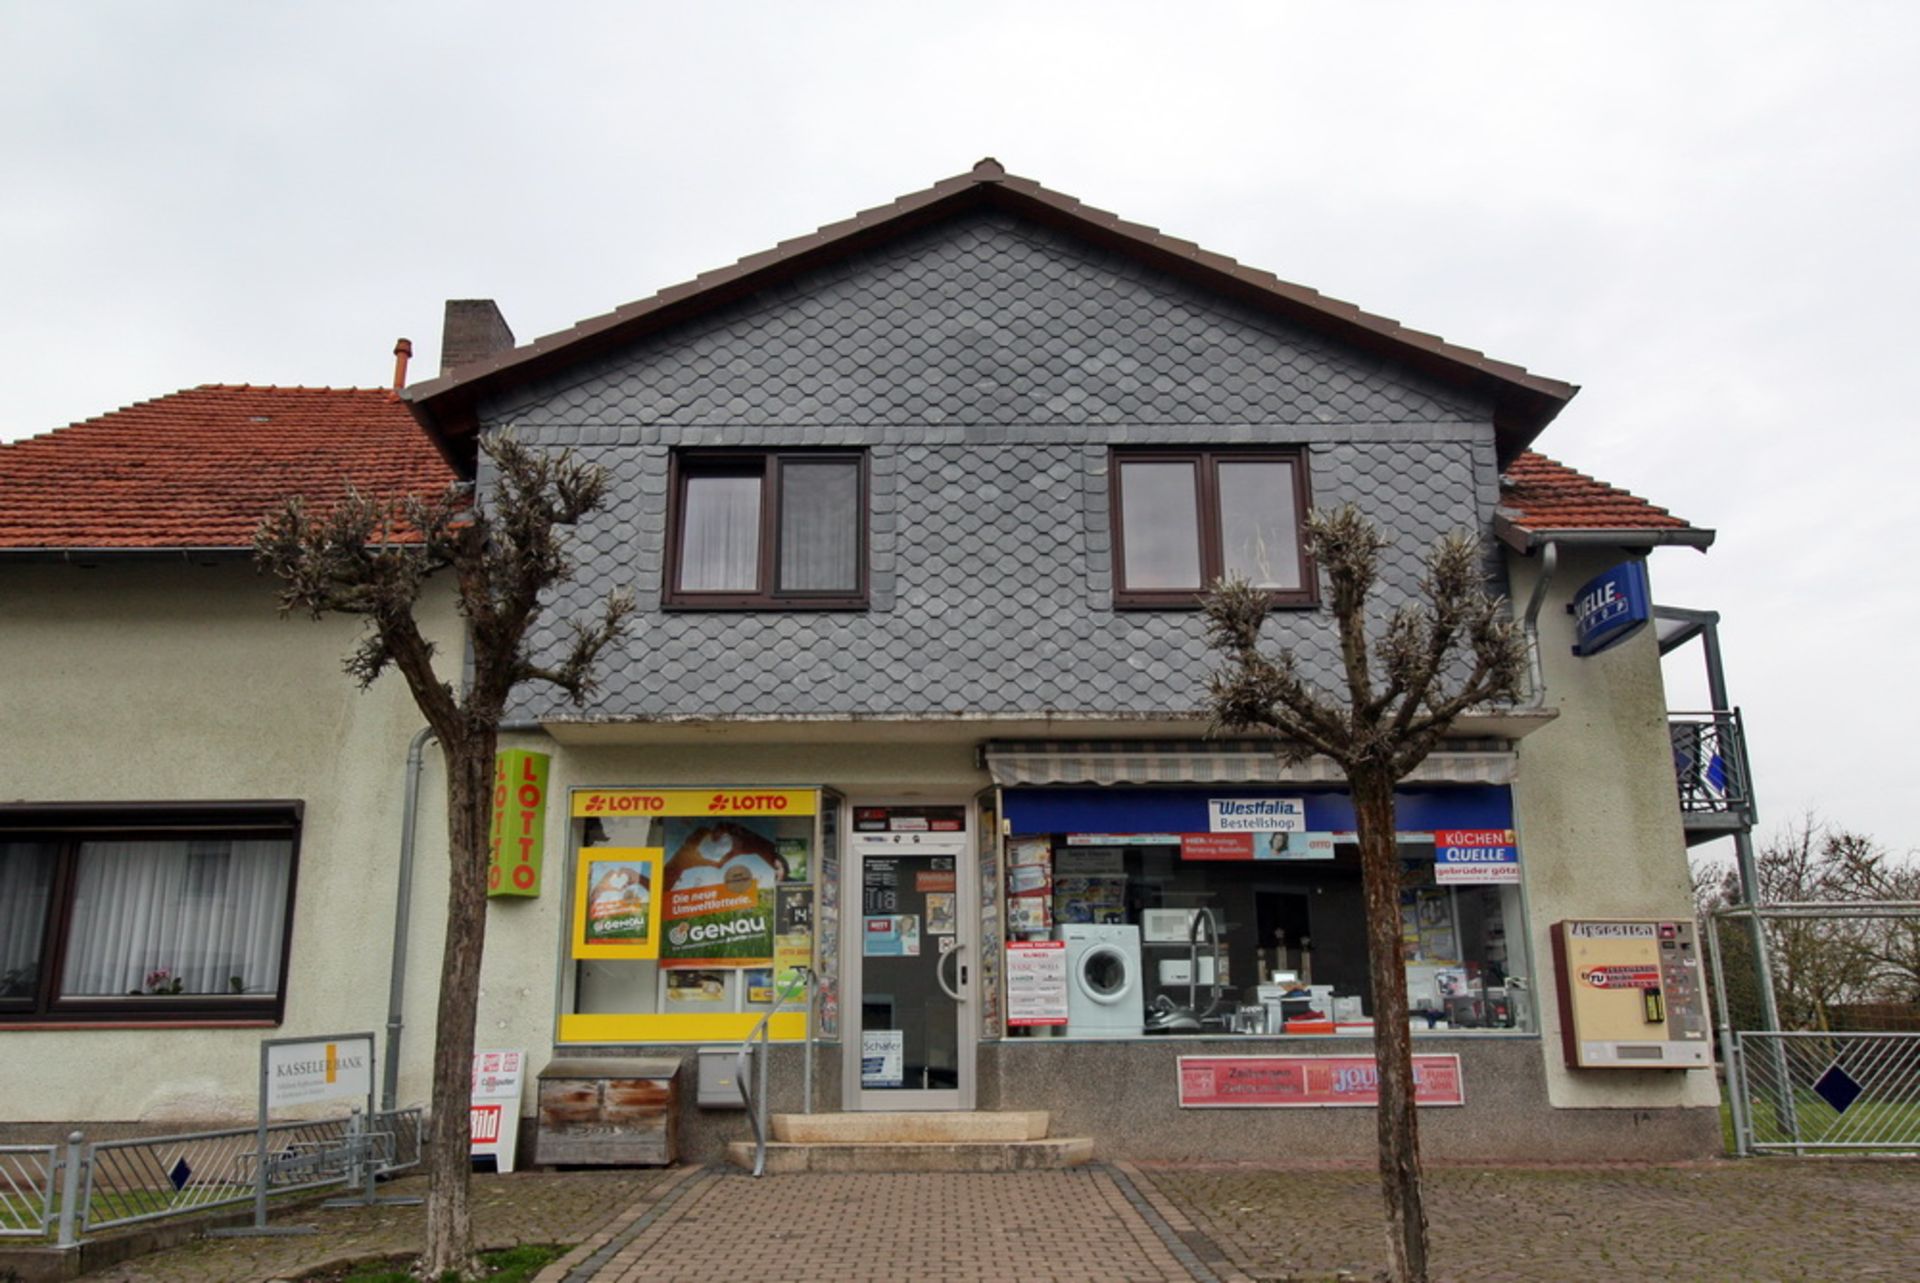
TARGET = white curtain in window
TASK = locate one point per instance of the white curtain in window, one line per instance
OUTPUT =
(208, 913)
(26, 880)
(720, 535)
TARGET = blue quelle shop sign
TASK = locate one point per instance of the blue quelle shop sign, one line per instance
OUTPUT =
(1611, 607)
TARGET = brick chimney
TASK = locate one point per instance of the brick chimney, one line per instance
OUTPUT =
(474, 330)
(402, 353)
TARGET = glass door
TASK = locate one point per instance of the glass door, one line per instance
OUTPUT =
(913, 965)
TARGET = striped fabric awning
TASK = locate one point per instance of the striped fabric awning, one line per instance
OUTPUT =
(1025, 763)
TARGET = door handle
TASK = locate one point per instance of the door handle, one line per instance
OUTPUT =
(940, 972)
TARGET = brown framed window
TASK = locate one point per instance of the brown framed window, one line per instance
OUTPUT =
(134, 913)
(775, 530)
(1185, 518)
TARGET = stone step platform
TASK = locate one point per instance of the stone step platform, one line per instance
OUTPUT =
(941, 1127)
(918, 1156)
(1009, 1141)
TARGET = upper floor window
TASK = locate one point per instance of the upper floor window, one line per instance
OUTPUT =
(768, 530)
(1183, 519)
(158, 913)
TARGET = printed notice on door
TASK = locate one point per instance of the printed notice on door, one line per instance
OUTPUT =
(882, 1057)
(1037, 982)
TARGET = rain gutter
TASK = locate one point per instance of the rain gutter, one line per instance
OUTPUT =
(403, 906)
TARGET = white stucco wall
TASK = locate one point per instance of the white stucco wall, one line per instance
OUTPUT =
(1598, 819)
(168, 682)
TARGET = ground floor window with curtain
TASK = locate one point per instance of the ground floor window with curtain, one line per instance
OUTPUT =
(145, 913)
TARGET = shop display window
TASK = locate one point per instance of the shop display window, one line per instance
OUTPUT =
(1225, 940)
(690, 911)
(133, 913)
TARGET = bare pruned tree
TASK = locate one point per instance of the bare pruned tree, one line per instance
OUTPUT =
(373, 558)
(1408, 678)
(1825, 970)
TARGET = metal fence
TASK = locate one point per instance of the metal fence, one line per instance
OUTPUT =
(1710, 763)
(1818, 1092)
(150, 1178)
(27, 1176)
(1812, 1090)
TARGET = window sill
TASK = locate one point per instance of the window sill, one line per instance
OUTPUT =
(186, 1022)
(1195, 604)
(763, 606)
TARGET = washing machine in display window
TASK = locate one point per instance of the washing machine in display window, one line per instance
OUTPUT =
(1105, 996)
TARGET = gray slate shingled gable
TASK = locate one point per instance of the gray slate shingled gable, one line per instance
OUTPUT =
(988, 364)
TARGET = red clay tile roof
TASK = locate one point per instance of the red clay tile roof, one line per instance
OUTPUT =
(198, 469)
(1539, 495)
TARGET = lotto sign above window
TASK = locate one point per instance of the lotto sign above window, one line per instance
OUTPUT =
(663, 802)
(1610, 608)
(1466, 856)
(518, 837)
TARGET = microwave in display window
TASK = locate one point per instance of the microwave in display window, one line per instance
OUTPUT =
(1165, 926)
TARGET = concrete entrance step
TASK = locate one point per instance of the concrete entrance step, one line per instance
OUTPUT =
(918, 1156)
(936, 1128)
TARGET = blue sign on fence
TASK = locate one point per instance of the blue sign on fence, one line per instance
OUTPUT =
(1611, 607)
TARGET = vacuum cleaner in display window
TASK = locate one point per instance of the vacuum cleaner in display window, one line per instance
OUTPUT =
(1104, 989)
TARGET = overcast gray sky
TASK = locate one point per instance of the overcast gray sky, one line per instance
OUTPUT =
(1704, 214)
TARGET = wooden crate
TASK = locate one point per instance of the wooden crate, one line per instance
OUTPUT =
(610, 1111)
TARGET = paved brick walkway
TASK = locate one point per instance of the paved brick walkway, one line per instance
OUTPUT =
(1754, 1222)
(1086, 1226)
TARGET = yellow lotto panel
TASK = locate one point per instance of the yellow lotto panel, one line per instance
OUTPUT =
(705, 1026)
(616, 903)
(641, 803)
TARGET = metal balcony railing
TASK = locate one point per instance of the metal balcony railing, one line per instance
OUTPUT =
(1710, 766)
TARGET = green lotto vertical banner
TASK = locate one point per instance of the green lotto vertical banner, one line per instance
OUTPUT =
(518, 838)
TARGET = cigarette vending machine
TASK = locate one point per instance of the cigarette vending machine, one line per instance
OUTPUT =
(1631, 995)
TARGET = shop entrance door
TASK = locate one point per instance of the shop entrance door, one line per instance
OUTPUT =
(913, 966)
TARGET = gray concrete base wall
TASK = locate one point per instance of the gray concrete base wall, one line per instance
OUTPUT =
(1124, 1095)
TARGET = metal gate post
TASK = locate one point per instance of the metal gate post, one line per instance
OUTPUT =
(1742, 1101)
(806, 1068)
(70, 1189)
(1731, 1064)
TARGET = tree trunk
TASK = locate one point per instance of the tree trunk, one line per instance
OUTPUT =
(1392, 1042)
(448, 1151)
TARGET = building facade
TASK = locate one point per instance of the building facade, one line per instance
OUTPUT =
(916, 510)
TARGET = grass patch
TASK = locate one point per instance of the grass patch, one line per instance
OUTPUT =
(503, 1265)
(1879, 1124)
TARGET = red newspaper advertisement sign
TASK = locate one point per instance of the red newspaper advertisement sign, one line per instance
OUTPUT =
(1311, 1082)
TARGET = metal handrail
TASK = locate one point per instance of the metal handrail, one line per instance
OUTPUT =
(1700, 741)
(756, 1083)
